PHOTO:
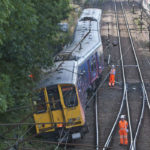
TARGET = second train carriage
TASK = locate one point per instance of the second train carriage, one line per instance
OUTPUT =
(63, 93)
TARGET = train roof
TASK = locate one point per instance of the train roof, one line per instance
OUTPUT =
(86, 38)
(63, 72)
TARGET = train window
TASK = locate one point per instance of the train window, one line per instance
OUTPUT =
(54, 99)
(69, 95)
(39, 102)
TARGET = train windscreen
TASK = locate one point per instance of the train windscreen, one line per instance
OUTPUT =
(39, 102)
(69, 95)
(53, 96)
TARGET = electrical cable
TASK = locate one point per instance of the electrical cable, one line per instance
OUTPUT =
(19, 140)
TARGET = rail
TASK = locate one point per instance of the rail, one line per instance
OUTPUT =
(97, 130)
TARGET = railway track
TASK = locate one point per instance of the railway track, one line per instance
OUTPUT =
(132, 79)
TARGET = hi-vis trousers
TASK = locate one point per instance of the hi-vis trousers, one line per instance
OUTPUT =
(123, 136)
(112, 80)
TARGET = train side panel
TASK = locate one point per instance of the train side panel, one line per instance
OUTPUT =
(89, 72)
(100, 59)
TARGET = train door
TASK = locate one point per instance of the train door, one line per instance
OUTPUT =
(100, 59)
(72, 109)
(42, 112)
(82, 83)
(55, 105)
(97, 65)
(93, 68)
(89, 71)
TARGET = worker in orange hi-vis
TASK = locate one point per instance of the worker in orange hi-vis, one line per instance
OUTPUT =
(123, 131)
(112, 76)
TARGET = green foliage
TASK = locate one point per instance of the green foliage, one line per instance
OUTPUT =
(4, 94)
(29, 36)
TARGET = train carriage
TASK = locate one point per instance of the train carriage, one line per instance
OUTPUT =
(64, 91)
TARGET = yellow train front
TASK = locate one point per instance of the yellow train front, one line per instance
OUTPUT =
(57, 103)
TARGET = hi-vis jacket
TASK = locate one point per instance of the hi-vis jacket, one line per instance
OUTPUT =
(123, 124)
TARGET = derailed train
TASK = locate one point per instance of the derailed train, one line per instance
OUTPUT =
(146, 6)
(64, 91)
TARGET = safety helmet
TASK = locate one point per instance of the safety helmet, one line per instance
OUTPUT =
(122, 116)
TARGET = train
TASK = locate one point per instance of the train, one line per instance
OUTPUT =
(146, 6)
(63, 92)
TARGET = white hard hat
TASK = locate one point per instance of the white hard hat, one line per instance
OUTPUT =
(113, 66)
(122, 116)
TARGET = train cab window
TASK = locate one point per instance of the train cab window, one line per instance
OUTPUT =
(69, 95)
(39, 102)
(54, 99)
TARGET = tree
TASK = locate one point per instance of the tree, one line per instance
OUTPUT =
(28, 38)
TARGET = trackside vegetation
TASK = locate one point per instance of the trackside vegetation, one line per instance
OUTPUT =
(29, 36)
